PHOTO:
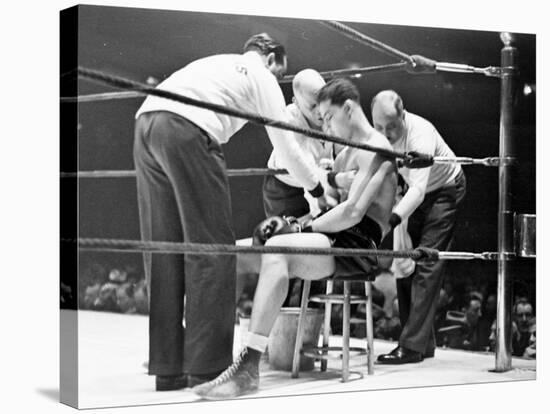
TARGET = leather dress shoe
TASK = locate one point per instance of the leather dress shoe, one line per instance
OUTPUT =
(170, 382)
(429, 354)
(178, 382)
(400, 355)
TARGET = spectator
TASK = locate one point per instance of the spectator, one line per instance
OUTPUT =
(522, 315)
(531, 350)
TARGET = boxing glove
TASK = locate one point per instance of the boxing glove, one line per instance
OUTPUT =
(272, 226)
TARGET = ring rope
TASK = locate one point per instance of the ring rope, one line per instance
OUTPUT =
(252, 172)
(369, 41)
(106, 96)
(136, 246)
(411, 161)
(390, 67)
(415, 64)
(245, 172)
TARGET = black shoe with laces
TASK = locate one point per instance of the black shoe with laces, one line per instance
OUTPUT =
(240, 378)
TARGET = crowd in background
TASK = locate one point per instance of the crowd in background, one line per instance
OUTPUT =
(466, 311)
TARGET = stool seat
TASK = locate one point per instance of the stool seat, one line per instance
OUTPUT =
(337, 298)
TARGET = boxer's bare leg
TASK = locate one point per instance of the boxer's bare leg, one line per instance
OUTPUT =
(242, 377)
(248, 267)
(275, 271)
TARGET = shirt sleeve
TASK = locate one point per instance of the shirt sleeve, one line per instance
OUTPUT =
(271, 104)
(423, 141)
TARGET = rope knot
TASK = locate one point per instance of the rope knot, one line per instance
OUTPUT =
(415, 159)
(421, 65)
(426, 254)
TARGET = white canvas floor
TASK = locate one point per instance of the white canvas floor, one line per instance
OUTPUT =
(113, 348)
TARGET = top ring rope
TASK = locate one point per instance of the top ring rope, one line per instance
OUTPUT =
(369, 41)
(416, 64)
(415, 160)
(96, 97)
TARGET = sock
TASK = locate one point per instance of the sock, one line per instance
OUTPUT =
(255, 341)
(253, 356)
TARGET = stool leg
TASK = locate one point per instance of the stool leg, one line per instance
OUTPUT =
(326, 326)
(370, 340)
(301, 328)
(346, 332)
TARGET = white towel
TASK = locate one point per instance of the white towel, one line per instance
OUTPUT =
(402, 267)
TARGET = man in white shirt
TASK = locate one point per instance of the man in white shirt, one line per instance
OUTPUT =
(430, 204)
(183, 195)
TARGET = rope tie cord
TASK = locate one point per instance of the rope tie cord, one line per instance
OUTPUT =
(124, 83)
(137, 246)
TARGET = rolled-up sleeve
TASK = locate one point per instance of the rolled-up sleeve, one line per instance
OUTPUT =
(417, 178)
(271, 104)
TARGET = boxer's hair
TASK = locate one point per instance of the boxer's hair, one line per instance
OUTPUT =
(265, 44)
(338, 91)
(395, 99)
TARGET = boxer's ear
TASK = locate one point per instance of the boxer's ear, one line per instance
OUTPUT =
(348, 107)
(270, 59)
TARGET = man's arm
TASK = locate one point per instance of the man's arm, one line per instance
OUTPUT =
(423, 141)
(365, 187)
(271, 104)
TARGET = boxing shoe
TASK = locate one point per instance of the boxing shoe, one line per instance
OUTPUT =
(241, 378)
(400, 355)
(198, 379)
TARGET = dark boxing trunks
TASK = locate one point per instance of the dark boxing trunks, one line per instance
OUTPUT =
(367, 234)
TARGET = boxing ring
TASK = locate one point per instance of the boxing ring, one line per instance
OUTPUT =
(507, 249)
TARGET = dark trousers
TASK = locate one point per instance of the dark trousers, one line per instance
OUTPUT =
(431, 225)
(281, 199)
(183, 195)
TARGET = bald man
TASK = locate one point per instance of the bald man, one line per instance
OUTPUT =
(283, 195)
(430, 204)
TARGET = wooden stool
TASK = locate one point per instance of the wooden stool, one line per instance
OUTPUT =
(346, 299)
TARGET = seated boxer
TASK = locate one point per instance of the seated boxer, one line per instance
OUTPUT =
(359, 220)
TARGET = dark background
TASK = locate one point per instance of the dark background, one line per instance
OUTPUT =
(465, 108)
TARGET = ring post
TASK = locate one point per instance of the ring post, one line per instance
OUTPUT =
(503, 350)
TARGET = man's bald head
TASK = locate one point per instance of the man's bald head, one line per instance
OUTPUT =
(388, 101)
(388, 115)
(307, 81)
(305, 85)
